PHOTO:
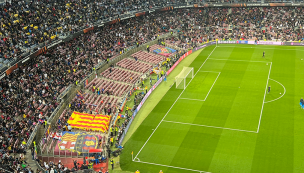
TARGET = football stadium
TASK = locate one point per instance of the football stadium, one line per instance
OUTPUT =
(206, 86)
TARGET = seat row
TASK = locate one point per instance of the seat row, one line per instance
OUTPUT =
(120, 75)
(134, 65)
(148, 57)
(98, 102)
(114, 88)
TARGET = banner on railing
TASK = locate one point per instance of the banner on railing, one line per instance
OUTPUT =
(39, 52)
(141, 14)
(251, 5)
(10, 70)
(250, 42)
(270, 43)
(144, 99)
(242, 42)
(165, 9)
(226, 42)
(87, 30)
(294, 43)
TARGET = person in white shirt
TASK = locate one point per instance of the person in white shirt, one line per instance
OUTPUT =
(69, 128)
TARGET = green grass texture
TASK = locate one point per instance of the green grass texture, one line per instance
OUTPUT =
(225, 120)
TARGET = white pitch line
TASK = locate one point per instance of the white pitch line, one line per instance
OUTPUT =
(281, 95)
(172, 166)
(209, 71)
(236, 60)
(212, 86)
(264, 99)
(192, 99)
(172, 105)
(210, 126)
(260, 48)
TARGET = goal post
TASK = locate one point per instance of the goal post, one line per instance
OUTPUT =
(181, 78)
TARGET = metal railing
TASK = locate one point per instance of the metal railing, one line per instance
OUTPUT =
(33, 134)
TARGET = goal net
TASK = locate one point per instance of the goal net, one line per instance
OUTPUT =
(181, 78)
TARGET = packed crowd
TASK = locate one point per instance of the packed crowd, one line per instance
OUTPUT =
(14, 163)
(26, 24)
(271, 23)
(246, 1)
(52, 167)
(30, 94)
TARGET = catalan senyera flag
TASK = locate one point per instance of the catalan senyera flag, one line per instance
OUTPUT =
(89, 121)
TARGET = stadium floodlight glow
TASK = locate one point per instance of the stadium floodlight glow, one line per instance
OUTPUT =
(181, 78)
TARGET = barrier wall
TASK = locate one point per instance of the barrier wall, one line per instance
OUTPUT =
(261, 42)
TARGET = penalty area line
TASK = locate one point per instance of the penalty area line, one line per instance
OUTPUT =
(264, 99)
(240, 130)
(193, 170)
(217, 59)
(258, 47)
(212, 86)
(192, 99)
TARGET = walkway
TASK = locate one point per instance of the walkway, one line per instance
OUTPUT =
(30, 162)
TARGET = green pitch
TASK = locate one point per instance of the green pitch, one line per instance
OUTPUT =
(225, 121)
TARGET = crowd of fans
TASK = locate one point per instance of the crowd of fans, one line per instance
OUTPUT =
(52, 167)
(271, 23)
(26, 24)
(30, 94)
(14, 163)
(246, 1)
